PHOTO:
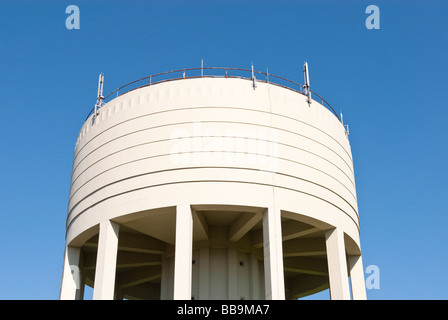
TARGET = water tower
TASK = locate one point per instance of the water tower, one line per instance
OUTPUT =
(212, 183)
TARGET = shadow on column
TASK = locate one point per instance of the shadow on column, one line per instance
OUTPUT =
(139, 265)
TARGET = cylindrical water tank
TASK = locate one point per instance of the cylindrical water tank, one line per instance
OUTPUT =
(212, 188)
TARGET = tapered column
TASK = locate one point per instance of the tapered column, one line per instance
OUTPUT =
(106, 262)
(357, 278)
(337, 265)
(183, 253)
(273, 255)
(71, 276)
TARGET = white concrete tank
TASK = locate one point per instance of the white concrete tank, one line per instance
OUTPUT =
(212, 187)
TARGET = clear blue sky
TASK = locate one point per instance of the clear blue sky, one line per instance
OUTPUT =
(390, 84)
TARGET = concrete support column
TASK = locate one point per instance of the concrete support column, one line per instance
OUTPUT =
(273, 255)
(337, 265)
(118, 294)
(255, 277)
(183, 253)
(71, 275)
(357, 278)
(204, 273)
(232, 274)
(106, 262)
(167, 280)
(83, 283)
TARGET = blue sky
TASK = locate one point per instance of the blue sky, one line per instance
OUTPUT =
(390, 84)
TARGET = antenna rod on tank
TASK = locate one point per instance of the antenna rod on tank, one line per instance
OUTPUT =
(306, 86)
(202, 67)
(99, 99)
(254, 84)
(347, 132)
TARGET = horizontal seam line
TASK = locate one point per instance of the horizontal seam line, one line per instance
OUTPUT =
(163, 155)
(193, 137)
(220, 107)
(225, 107)
(180, 182)
(160, 171)
(174, 124)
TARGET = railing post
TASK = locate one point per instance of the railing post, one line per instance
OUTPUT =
(238, 71)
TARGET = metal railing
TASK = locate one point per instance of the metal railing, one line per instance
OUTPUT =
(218, 72)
